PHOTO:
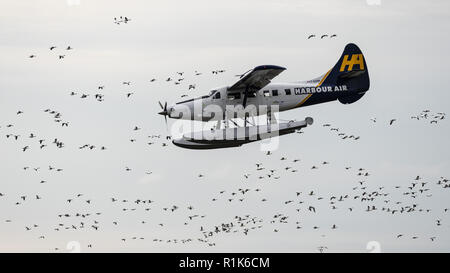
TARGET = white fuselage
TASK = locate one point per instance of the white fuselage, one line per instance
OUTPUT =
(276, 97)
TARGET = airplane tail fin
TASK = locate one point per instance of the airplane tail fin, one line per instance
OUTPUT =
(350, 70)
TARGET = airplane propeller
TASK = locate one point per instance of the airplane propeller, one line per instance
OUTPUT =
(164, 111)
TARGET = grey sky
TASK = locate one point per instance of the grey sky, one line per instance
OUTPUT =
(405, 44)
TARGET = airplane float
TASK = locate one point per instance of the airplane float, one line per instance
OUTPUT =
(254, 95)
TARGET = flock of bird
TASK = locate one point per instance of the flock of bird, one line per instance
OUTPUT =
(341, 134)
(121, 20)
(80, 212)
(99, 95)
(61, 54)
(322, 36)
(432, 118)
(362, 196)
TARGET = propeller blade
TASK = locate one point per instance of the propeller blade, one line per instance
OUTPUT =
(164, 113)
(167, 126)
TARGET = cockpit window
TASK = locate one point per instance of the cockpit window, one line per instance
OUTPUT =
(217, 95)
(212, 92)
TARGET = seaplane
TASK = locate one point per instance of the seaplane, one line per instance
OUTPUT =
(255, 95)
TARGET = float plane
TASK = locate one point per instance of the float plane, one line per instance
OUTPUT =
(254, 94)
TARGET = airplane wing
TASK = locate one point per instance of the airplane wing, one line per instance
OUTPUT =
(257, 78)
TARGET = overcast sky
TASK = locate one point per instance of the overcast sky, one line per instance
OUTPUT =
(405, 44)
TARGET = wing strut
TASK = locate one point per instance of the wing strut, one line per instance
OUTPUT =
(244, 103)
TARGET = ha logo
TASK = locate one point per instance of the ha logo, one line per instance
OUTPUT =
(357, 59)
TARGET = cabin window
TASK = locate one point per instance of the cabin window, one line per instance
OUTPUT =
(234, 96)
(288, 91)
(266, 93)
(251, 94)
(274, 92)
(217, 95)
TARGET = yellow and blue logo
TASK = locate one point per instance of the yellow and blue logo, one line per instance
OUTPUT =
(357, 59)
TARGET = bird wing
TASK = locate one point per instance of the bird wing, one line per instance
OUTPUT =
(257, 78)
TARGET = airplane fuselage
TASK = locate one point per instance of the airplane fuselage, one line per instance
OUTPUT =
(254, 94)
(274, 97)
